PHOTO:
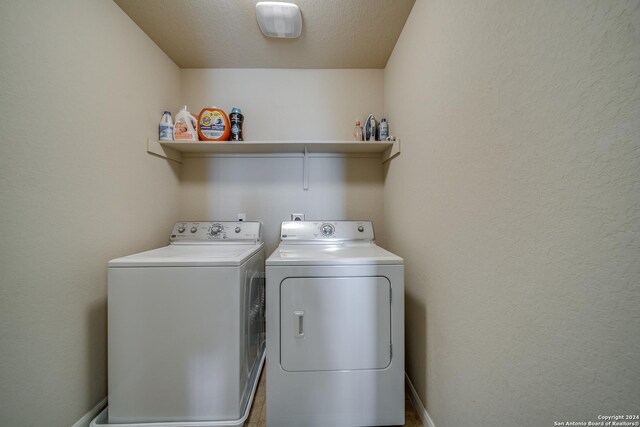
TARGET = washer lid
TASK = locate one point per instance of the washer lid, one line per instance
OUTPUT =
(190, 256)
(347, 254)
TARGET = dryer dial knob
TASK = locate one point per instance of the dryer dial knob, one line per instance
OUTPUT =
(194, 229)
(181, 228)
(360, 228)
(238, 229)
(215, 230)
(327, 229)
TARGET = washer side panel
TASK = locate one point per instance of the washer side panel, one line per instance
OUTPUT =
(174, 343)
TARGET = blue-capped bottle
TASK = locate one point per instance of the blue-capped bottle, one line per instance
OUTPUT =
(236, 118)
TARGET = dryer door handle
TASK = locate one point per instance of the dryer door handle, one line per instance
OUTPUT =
(298, 324)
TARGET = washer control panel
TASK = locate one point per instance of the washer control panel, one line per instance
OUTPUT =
(326, 231)
(216, 231)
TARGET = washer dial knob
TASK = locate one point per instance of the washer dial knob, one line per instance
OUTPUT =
(215, 230)
(181, 228)
(327, 230)
(360, 228)
(194, 229)
(238, 229)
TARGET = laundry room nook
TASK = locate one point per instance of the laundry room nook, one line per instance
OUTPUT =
(471, 260)
(291, 109)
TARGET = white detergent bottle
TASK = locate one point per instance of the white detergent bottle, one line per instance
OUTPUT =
(166, 127)
(185, 126)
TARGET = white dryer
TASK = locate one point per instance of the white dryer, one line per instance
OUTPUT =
(335, 327)
(186, 328)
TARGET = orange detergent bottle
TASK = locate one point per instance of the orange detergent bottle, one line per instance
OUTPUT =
(213, 124)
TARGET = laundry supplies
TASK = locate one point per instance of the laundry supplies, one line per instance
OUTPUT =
(213, 125)
(166, 127)
(184, 129)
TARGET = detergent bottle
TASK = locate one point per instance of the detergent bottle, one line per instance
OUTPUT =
(213, 124)
(166, 127)
(184, 128)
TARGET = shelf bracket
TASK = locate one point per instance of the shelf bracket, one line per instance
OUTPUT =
(391, 152)
(305, 169)
(154, 147)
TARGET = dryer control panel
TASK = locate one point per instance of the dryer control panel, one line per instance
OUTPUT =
(326, 231)
(216, 231)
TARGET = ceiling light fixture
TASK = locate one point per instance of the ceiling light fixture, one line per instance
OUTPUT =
(278, 19)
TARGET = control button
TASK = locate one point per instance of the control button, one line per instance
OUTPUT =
(215, 230)
(237, 229)
(181, 229)
(360, 228)
(327, 229)
(194, 229)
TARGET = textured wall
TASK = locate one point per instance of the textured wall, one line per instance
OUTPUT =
(270, 189)
(285, 105)
(289, 104)
(82, 88)
(520, 166)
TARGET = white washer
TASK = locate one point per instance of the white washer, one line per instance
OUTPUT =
(186, 328)
(335, 327)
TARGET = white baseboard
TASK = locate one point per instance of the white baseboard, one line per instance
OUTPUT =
(417, 405)
(86, 418)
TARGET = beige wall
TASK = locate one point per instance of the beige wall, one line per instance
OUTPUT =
(281, 104)
(520, 166)
(289, 104)
(82, 88)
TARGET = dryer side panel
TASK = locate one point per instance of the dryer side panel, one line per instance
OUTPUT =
(335, 323)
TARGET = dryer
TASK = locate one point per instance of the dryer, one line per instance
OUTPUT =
(186, 327)
(335, 327)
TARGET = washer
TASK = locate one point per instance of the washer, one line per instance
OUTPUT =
(335, 327)
(186, 326)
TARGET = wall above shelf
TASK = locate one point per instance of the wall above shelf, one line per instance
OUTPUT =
(173, 150)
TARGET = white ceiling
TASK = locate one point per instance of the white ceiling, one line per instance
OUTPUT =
(225, 34)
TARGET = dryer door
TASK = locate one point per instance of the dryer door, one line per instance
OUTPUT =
(330, 324)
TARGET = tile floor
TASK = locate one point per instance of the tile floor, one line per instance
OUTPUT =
(258, 414)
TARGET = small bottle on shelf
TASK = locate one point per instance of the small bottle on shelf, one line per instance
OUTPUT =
(383, 131)
(236, 118)
(166, 127)
(357, 133)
